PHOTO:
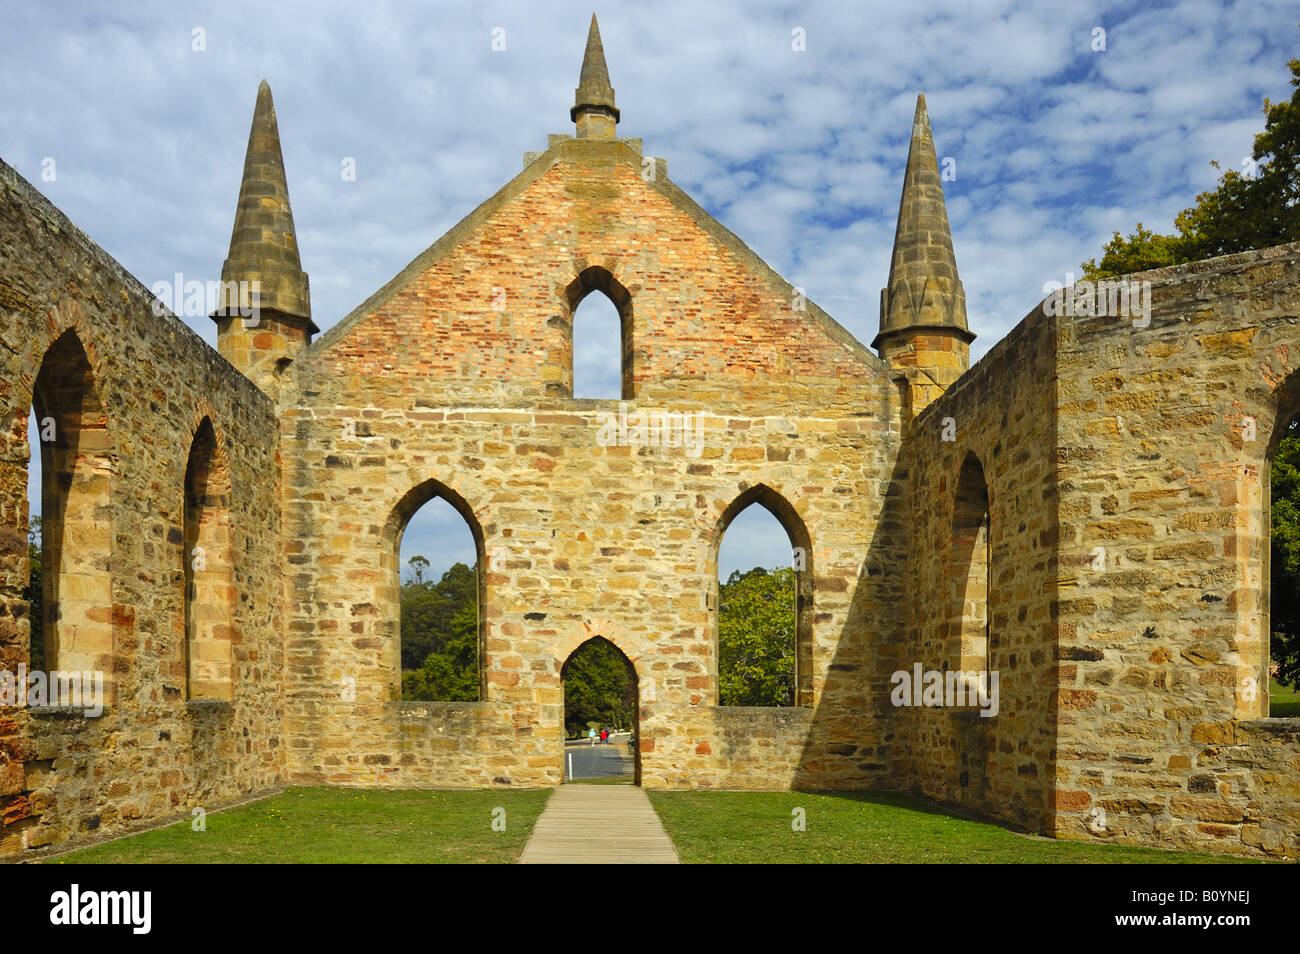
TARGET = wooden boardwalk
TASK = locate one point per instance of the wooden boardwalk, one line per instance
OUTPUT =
(599, 825)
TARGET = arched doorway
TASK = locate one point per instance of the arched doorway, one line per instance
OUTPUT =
(601, 693)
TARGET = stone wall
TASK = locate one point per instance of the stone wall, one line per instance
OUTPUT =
(63, 775)
(455, 380)
(1165, 431)
(1001, 765)
(1127, 592)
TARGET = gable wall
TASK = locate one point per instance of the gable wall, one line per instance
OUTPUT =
(581, 538)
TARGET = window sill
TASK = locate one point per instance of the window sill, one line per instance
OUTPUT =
(209, 705)
(62, 712)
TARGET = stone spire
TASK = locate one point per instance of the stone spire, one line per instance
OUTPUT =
(263, 311)
(924, 289)
(263, 245)
(593, 109)
(923, 331)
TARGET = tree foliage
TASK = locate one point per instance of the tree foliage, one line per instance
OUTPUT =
(429, 607)
(440, 635)
(1285, 563)
(599, 689)
(756, 638)
(1255, 207)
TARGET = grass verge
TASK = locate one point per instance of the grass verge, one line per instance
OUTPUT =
(865, 827)
(340, 826)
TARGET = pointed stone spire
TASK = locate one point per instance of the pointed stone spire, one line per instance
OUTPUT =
(263, 311)
(263, 245)
(924, 289)
(593, 109)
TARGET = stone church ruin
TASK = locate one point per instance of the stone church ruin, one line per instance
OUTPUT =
(952, 516)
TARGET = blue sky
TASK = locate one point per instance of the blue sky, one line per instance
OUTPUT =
(799, 152)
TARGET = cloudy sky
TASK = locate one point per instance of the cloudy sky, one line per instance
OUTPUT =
(134, 122)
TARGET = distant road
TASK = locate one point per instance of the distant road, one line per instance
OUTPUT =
(598, 761)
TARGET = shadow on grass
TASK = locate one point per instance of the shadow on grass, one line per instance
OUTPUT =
(869, 827)
(898, 800)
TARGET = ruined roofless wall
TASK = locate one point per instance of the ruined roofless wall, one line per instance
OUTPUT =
(151, 753)
(1166, 428)
(430, 388)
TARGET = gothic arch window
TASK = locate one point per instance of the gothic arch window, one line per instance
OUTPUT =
(435, 596)
(34, 592)
(762, 617)
(968, 571)
(208, 569)
(75, 459)
(601, 359)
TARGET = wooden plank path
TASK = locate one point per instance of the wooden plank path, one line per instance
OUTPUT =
(599, 825)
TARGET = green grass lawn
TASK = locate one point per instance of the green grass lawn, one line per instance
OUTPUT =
(1283, 702)
(743, 827)
(340, 826)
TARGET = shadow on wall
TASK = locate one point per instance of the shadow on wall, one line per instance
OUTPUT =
(923, 601)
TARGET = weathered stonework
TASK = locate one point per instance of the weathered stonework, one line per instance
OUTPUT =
(152, 752)
(1121, 714)
(1165, 433)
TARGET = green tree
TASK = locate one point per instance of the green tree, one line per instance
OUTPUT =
(419, 566)
(599, 688)
(450, 673)
(33, 593)
(1284, 582)
(756, 638)
(1257, 206)
(440, 635)
(1138, 252)
(428, 609)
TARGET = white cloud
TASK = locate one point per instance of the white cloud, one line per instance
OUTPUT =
(800, 154)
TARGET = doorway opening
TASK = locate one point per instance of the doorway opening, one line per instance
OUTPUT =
(601, 717)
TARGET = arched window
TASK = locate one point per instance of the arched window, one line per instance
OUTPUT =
(76, 468)
(968, 571)
(601, 356)
(208, 569)
(438, 569)
(34, 593)
(763, 603)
